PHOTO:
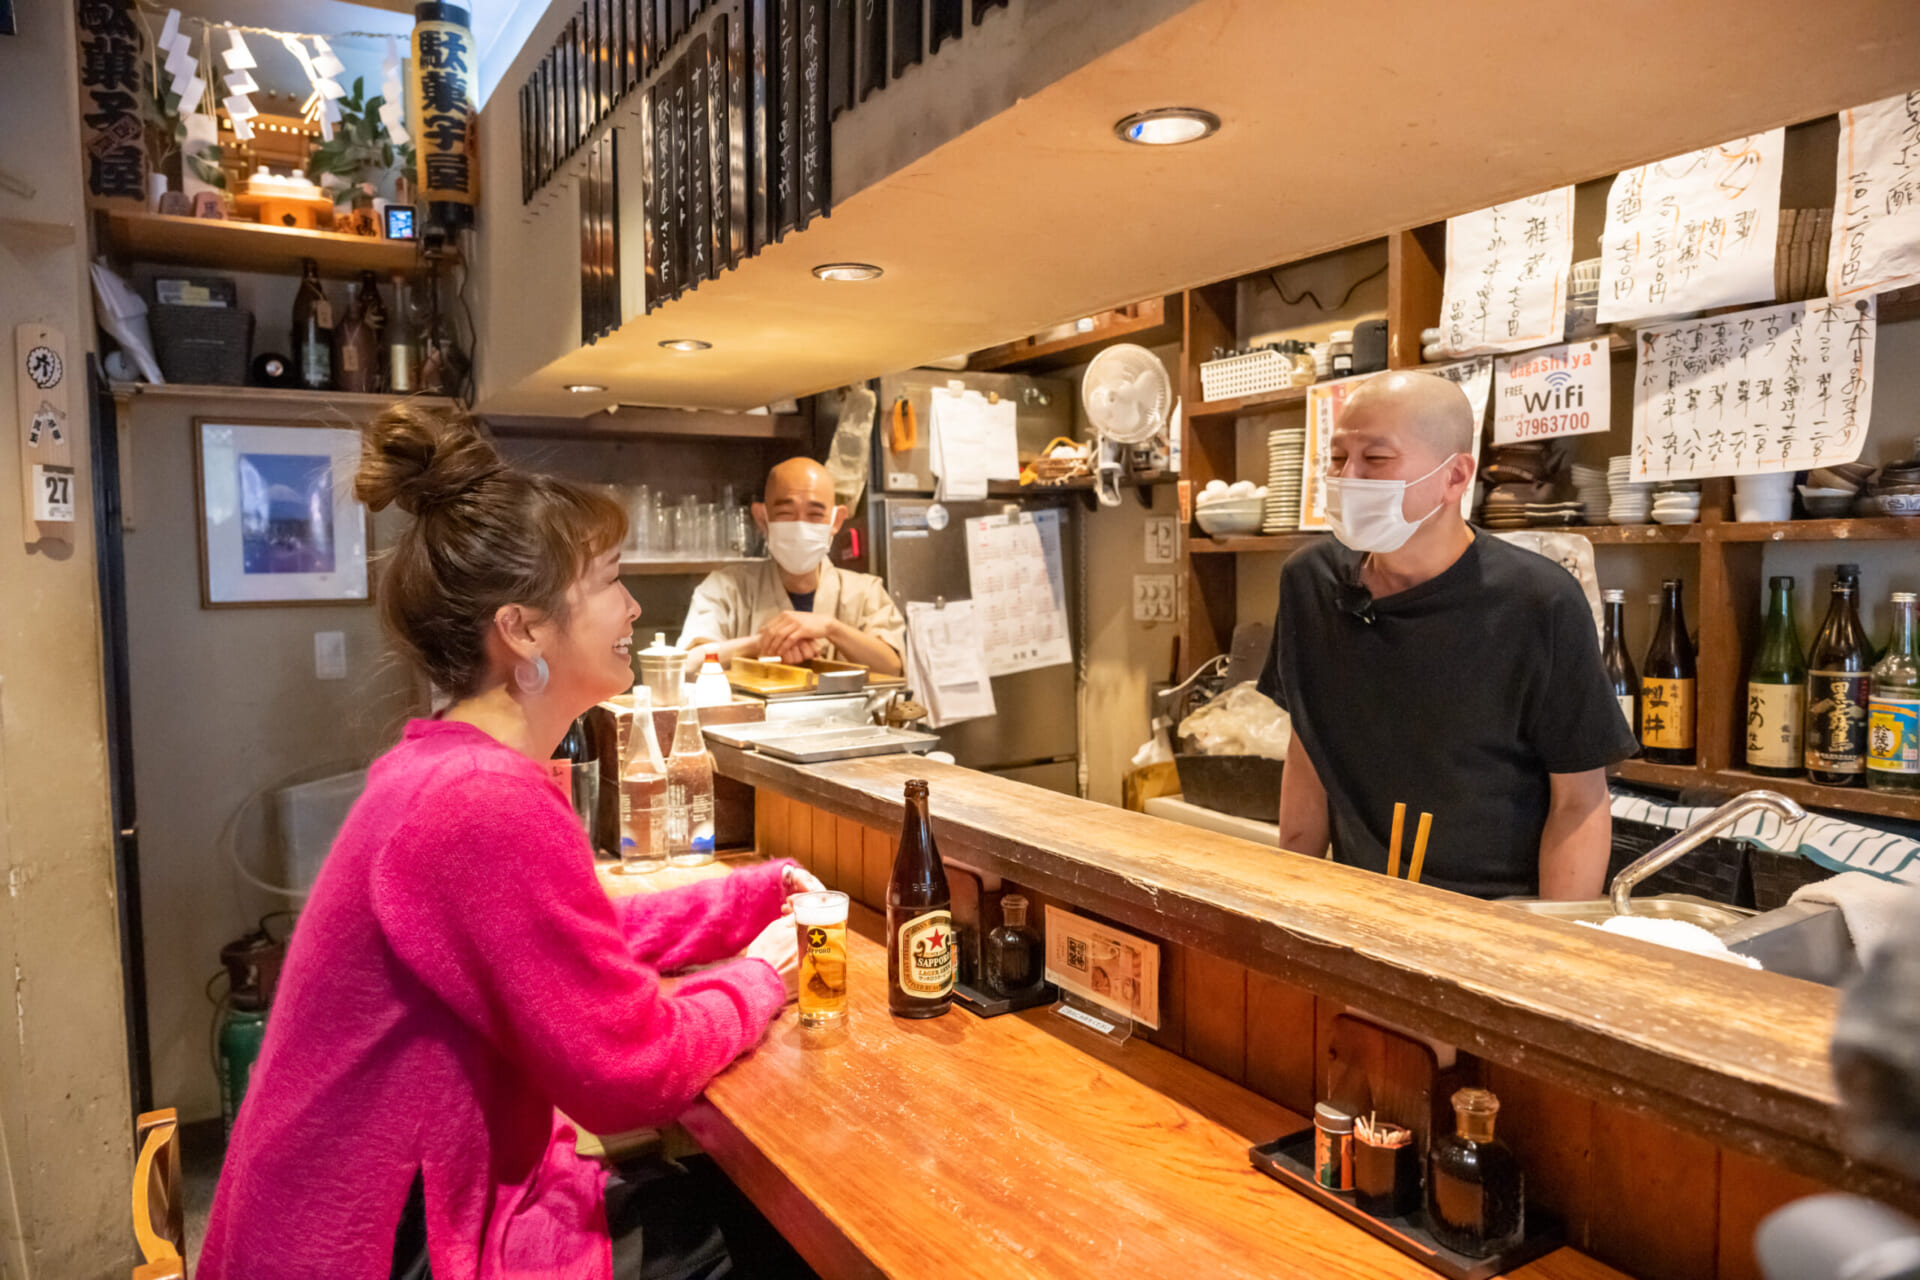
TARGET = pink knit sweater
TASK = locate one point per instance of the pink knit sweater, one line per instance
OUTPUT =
(457, 975)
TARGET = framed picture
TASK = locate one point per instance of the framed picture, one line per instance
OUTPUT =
(278, 521)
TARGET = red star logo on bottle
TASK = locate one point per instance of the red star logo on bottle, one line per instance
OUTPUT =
(936, 940)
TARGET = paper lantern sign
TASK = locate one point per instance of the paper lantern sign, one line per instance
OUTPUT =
(443, 59)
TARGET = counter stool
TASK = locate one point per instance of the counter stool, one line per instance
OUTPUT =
(159, 1208)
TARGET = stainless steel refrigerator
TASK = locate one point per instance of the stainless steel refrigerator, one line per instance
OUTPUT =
(1034, 737)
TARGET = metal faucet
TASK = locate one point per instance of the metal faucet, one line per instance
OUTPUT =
(1696, 835)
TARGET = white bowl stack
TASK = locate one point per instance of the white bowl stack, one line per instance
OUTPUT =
(1230, 510)
(1676, 502)
(1628, 501)
(1286, 455)
(1590, 487)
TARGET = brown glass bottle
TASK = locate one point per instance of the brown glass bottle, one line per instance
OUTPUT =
(1476, 1192)
(1621, 676)
(312, 331)
(920, 951)
(374, 312)
(1667, 685)
(356, 350)
(1839, 672)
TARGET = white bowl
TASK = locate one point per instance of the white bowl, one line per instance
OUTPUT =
(1676, 517)
(1228, 520)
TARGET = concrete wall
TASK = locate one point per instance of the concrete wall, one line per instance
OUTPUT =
(65, 1118)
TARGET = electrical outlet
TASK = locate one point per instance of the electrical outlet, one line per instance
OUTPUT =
(1162, 539)
(330, 655)
(1154, 598)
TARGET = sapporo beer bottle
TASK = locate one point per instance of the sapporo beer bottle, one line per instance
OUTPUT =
(1666, 685)
(920, 950)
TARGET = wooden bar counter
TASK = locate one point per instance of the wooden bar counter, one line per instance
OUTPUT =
(1661, 1102)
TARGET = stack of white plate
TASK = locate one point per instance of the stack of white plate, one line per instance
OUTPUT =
(1590, 487)
(1628, 501)
(1676, 502)
(1286, 454)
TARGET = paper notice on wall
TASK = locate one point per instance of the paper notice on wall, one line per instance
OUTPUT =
(973, 441)
(947, 663)
(1876, 199)
(1555, 391)
(1507, 268)
(1324, 402)
(1781, 388)
(1019, 590)
(1694, 231)
(1475, 377)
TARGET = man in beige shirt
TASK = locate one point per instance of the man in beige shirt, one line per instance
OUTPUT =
(796, 605)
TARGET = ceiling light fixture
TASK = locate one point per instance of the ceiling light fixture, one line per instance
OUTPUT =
(685, 344)
(848, 271)
(1167, 126)
(582, 388)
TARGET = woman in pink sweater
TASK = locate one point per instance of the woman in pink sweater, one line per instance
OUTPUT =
(458, 978)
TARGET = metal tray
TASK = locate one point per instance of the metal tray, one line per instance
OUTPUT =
(814, 743)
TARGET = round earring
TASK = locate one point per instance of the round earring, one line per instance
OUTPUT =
(531, 676)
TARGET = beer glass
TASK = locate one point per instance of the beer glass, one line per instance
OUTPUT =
(821, 919)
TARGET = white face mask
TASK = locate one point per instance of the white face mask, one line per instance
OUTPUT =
(798, 546)
(1368, 515)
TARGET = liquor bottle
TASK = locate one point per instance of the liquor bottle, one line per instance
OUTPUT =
(689, 793)
(1613, 653)
(1012, 955)
(403, 346)
(1893, 706)
(1476, 1191)
(312, 331)
(1777, 692)
(1839, 672)
(374, 313)
(580, 786)
(644, 807)
(1666, 685)
(356, 349)
(920, 951)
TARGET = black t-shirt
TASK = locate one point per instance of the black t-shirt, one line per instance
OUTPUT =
(802, 600)
(1459, 697)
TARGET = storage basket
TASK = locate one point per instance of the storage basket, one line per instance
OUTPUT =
(1777, 875)
(1246, 375)
(1716, 870)
(203, 345)
(1243, 786)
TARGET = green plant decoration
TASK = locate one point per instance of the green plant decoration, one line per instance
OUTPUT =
(361, 158)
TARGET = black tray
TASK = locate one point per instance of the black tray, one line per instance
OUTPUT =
(982, 1005)
(1289, 1161)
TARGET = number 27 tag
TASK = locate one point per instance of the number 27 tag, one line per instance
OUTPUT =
(52, 493)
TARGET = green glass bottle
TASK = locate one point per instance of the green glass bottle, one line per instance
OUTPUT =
(1893, 706)
(1777, 691)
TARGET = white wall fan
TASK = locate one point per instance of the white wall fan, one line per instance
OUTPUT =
(1129, 400)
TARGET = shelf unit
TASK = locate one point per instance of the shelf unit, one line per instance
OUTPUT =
(354, 403)
(226, 245)
(1680, 777)
(1151, 322)
(643, 568)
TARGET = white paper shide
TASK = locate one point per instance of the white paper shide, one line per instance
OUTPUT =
(1691, 232)
(1876, 213)
(1507, 268)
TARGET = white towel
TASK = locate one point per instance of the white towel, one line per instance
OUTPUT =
(1870, 904)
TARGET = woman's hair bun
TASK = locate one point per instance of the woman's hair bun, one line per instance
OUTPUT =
(420, 459)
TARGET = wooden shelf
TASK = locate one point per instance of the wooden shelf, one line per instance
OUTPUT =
(1239, 405)
(640, 568)
(1151, 323)
(37, 232)
(1879, 529)
(1262, 543)
(1811, 794)
(248, 246)
(344, 400)
(1853, 529)
(1633, 534)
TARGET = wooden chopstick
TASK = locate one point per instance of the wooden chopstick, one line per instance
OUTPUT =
(1393, 850)
(1420, 848)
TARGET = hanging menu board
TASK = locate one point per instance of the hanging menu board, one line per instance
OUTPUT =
(1507, 267)
(1876, 201)
(698, 156)
(1692, 232)
(814, 129)
(739, 148)
(1782, 388)
(719, 140)
(786, 123)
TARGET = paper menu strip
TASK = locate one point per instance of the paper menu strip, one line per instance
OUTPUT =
(1781, 388)
(1693, 231)
(1876, 199)
(1507, 269)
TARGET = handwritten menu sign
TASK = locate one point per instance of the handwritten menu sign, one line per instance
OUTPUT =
(700, 173)
(814, 128)
(1019, 592)
(1694, 231)
(1876, 202)
(1507, 267)
(1555, 391)
(1779, 388)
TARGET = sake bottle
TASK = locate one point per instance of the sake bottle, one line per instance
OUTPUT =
(1777, 692)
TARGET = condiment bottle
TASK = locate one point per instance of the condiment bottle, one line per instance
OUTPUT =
(1341, 341)
(1476, 1193)
(1012, 954)
(1332, 1147)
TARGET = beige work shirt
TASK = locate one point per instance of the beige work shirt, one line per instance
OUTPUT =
(737, 601)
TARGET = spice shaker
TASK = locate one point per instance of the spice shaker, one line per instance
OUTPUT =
(1332, 1147)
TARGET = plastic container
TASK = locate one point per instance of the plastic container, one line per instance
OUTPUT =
(663, 670)
(310, 816)
(712, 689)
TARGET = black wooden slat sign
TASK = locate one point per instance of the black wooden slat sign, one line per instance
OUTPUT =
(651, 295)
(839, 57)
(870, 47)
(590, 249)
(682, 182)
(699, 144)
(526, 152)
(946, 20)
(719, 143)
(980, 8)
(666, 247)
(787, 128)
(908, 35)
(739, 138)
(589, 66)
(760, 151)
(814, 129)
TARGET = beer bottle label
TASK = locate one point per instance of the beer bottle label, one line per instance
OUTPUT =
(1893, 734)
(1837, 721)
(926, 955)
(1776, 718)
(1666, 713)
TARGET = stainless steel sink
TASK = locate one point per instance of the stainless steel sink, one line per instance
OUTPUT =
(1800, 940)
(1712, 916)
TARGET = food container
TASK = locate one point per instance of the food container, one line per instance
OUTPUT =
(837, 677)
(1232, 517)
(663, 670)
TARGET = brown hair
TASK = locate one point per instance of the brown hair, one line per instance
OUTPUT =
(483, 535)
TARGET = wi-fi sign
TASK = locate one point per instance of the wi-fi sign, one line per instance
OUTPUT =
(1559, 379)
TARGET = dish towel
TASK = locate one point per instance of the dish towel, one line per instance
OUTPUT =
(1871, 905)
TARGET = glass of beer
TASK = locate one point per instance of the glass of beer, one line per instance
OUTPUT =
(821, 919)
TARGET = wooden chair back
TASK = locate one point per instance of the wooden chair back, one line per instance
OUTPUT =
(159, 1207)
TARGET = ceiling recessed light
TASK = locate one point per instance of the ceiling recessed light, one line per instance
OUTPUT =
(848, 271)
(1167, 126)
(582, 388)
(685, 344)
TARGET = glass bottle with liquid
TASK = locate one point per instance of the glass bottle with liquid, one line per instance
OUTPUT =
(1893, 706)
(1011, 958)
(403, 344)
(1839, 673)
(574, 770)
(1777, 691)
(1667, 685)
(689, 794)
(356, 349)
(1621, 676)
(312, 331)
(1476, 1192)
(920, 950)
(644, 807)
